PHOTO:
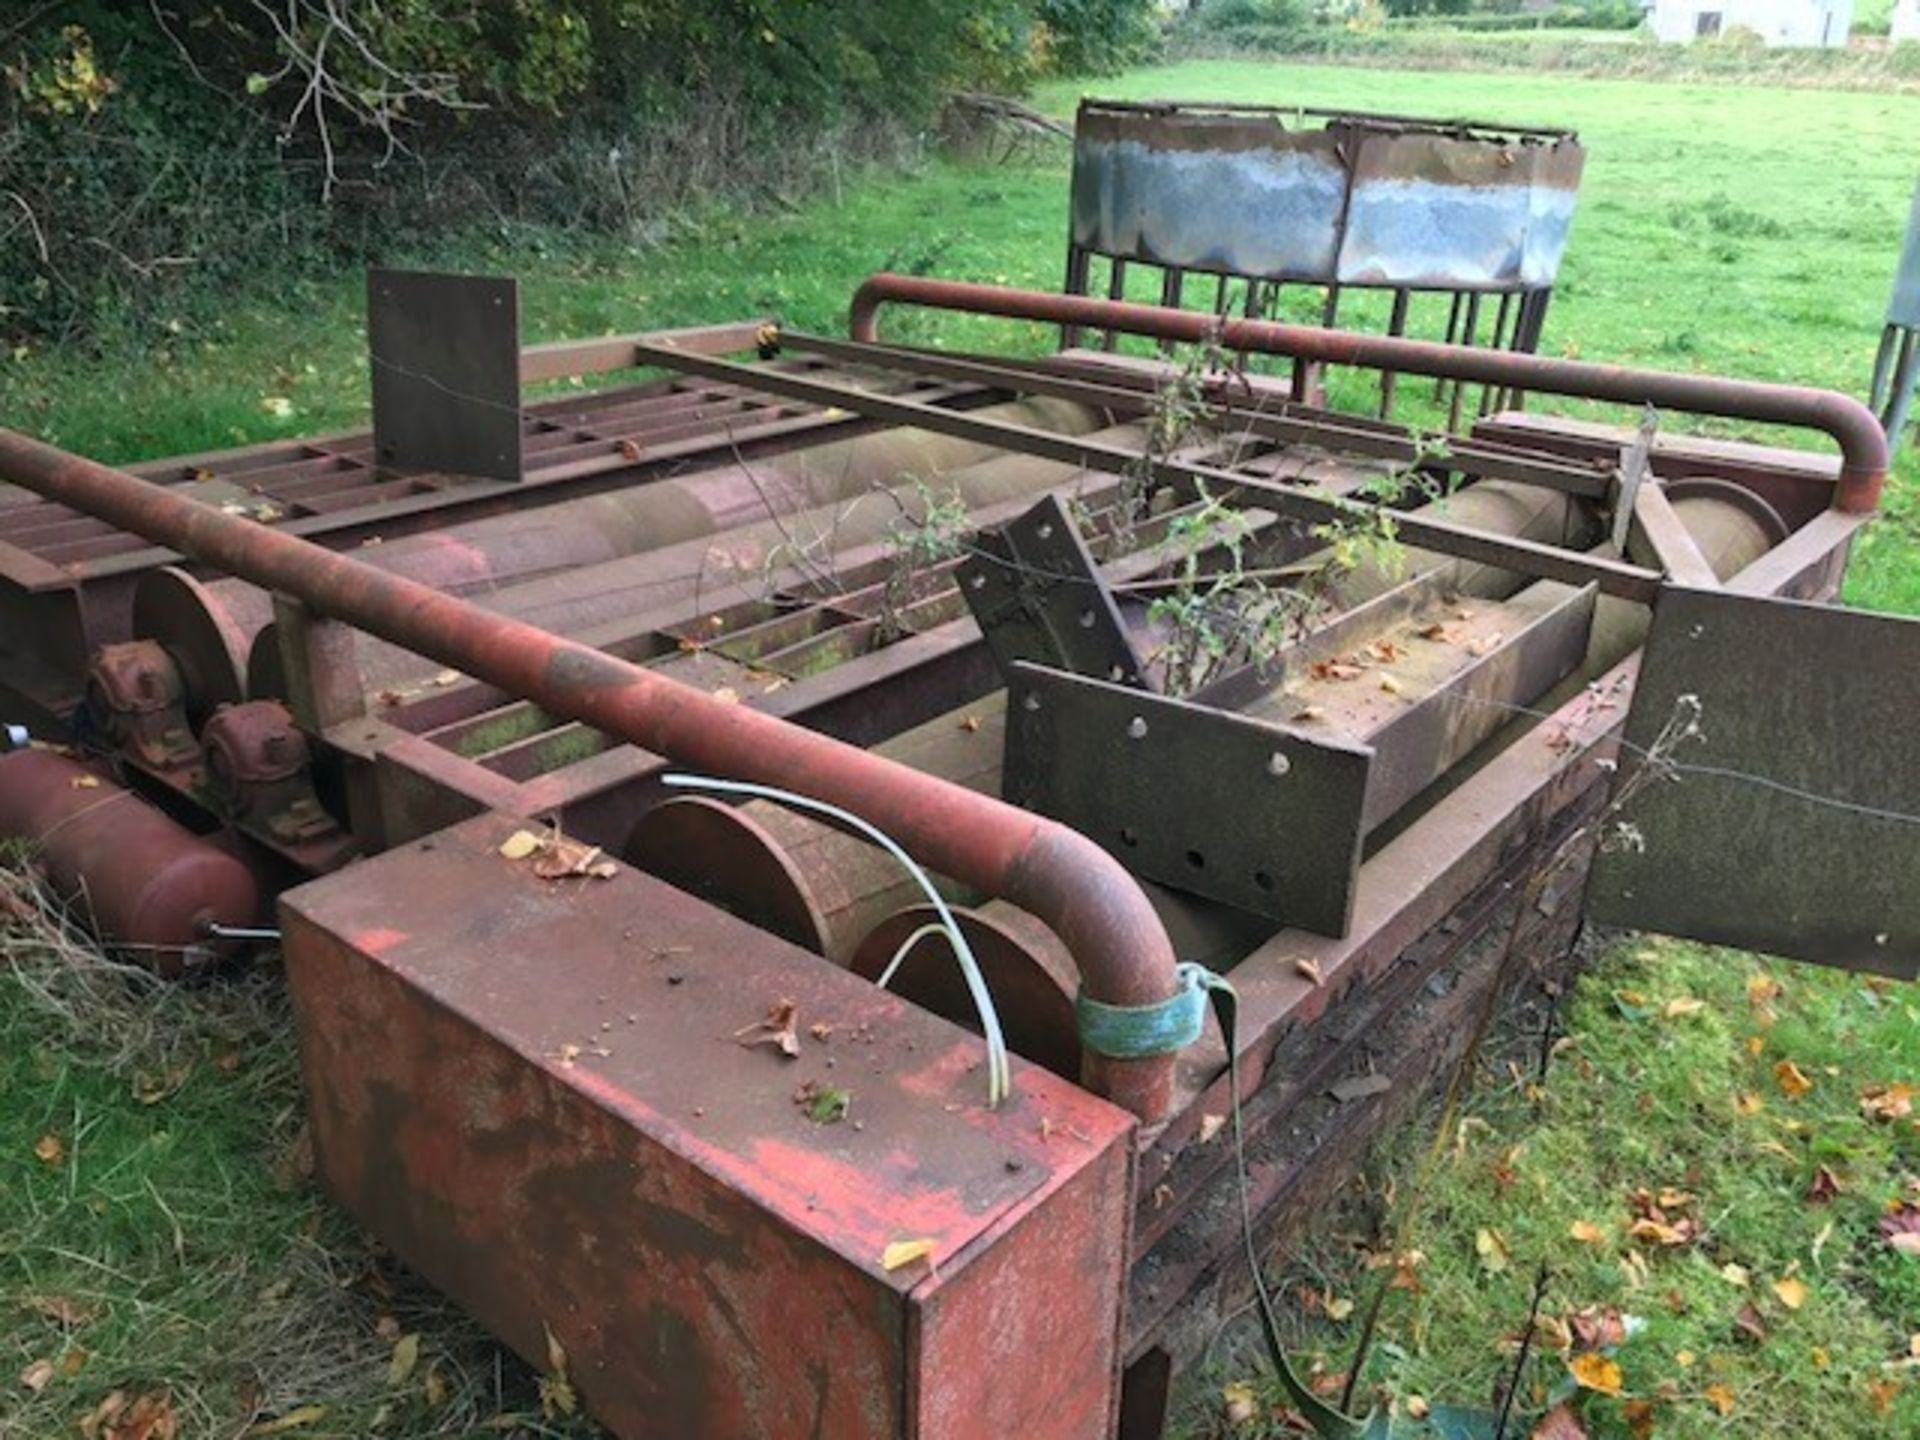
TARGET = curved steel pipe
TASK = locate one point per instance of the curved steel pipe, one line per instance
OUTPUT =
(1056, 873)
(1863, 445)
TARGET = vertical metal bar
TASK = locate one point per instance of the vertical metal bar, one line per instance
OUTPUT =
(1173, 284)
(1076, 284)
(1116, 290)
(1396, 326)
(1453, 329)
(1468, 326)
(1537, 302)
(1906, 378)
(1498, 341)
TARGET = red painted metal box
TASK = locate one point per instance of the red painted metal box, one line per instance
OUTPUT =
(538, 1093)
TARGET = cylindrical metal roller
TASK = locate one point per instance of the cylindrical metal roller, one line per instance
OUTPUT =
(597, 558)
(1027, 971)
(134, 875)
(791, 876)
(484, 557)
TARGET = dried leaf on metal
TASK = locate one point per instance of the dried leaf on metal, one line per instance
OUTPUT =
(776, 1030)
(901, 1253)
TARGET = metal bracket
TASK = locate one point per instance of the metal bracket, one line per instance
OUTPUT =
(1037, 595)
(1244, 811)
(1786, 823)
(444, 355)
(1636, 467)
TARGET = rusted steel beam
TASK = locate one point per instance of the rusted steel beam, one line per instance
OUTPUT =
(1076, 887)
(1395, 443)
(560, 359)
(1863, 445)
(1658, 536)
(1630, 582)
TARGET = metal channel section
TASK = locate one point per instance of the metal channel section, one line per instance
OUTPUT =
(542, 1092)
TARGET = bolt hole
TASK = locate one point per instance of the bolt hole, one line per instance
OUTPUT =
(1117, 673)
(1137, 728)
(978, 580)
(1046, 530)
(1129, 836)
(1195, 860)
(1278, 764)
(1086, 619)
(1262, 879)
(1031, 702)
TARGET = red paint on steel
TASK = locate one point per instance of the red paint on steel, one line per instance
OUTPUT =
(1056, 873)
(138, 877)
(533, 1093)
(1863, 445)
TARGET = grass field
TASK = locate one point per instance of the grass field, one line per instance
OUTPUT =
(157, 1234)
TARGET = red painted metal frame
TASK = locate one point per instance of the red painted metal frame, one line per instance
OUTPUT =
(1083, 893)
(1863, 445)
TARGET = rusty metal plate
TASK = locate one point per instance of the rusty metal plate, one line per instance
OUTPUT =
(1248, 812)
(535, 1092)
(444, 351)
(1784, 825)
(1034, 590)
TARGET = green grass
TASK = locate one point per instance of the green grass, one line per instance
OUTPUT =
(1643, 1096)
(1737, 231)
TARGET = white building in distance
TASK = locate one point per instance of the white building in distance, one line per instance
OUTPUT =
(1777, 22)
(1906, 21)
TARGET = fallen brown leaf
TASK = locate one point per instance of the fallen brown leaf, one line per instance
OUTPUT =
(1887, 1102)
(150, 1417)
(1749, 1323)
(59, 1309)
(1596, 1327)
(297, 1418)
(776, 1030)
(1793, 1081)
(1558, 1423)
(1900, 1227)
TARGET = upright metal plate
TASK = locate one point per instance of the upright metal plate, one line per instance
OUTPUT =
(1034, 589)
(445, 355)
(1243, 811)
(1903, 307)
(1779, 829)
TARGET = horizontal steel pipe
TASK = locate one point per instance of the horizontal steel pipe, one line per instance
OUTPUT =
(1863, 445)
(1090, 901)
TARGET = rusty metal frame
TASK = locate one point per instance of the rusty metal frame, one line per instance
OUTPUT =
(1630, 582)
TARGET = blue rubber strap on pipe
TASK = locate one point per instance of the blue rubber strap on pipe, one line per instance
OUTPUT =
(1138, 1032)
